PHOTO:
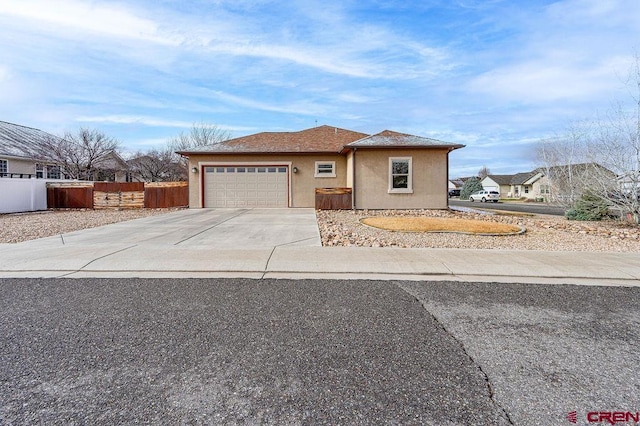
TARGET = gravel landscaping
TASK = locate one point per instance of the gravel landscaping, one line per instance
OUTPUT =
(342, 228)
(17, 227)
(549, 233)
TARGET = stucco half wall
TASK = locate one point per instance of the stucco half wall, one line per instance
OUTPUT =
(429, 178)
(302, 184)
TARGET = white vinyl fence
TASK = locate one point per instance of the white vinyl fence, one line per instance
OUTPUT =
(23, 195)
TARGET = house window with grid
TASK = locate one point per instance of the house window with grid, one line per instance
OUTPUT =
(325, 169)
(400, 181)
(4, 167)
(53, 172)
(40, 171)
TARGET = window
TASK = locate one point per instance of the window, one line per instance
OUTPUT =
(526, 189)
(53, 172)
(325, 169)
(4, 167)
(40, 171)
(400, 175)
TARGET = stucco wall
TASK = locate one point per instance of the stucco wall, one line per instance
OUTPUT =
(429, 175)
(303, 183)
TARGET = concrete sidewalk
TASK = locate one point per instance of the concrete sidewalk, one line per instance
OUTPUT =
(134, 260)
(285, 243)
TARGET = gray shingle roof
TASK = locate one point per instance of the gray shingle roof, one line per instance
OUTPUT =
(501, 179)
(520, 178)
(22, 141)
(388, 138)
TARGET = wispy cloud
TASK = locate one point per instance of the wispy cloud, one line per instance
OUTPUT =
(494, 75)
(153, 122)
(90, 17)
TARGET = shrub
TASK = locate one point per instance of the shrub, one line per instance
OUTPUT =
(589, 207)
(470, 186)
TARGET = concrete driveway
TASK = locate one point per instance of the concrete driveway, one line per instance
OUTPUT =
(203, 228)
(285, 243)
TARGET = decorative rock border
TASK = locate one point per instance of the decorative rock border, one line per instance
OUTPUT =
(484, 234)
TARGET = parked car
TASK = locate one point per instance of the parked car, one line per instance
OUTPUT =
(454, 193)
(485, 196)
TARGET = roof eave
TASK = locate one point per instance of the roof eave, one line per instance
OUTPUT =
(25, 157)
(189, 153)
(448, 146)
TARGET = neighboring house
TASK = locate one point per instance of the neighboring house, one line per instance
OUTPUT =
(527, 185)
(530, 185)
(283, 169)
(457, 183)
(20, 154)
(500, 183)
(113, 168)
(546, 183)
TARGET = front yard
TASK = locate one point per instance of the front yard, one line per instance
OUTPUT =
(549, 233)
(343, 228)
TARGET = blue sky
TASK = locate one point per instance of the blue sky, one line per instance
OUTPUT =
(495, 75)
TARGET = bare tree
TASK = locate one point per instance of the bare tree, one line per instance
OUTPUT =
(558, 158)
(483, 172)
(201, 134)
(81, 155)
(612, 142)
(156, 165)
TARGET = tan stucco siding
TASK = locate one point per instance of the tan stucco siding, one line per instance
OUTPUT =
(349, 181)
(302, 184)
(429, 178)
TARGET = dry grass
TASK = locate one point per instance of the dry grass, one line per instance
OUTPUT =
(435, 224)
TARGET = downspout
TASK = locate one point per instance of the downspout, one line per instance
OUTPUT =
(447, 183)
(353, 190)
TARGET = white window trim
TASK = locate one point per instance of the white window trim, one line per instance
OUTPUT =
(409, 188)
(325, 175)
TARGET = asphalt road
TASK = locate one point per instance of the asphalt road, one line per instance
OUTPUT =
(535, 208)
(235, 351)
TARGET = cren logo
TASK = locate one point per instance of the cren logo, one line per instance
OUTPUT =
(573, 417)
(613, 417)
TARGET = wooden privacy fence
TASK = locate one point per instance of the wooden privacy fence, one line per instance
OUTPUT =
(117, 195)
(160, 195)
(334, 198)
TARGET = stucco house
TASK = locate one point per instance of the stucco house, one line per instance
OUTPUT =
(284, 169)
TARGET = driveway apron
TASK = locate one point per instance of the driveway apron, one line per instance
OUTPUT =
(203, 228)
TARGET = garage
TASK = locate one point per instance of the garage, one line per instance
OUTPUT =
(246, 186)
